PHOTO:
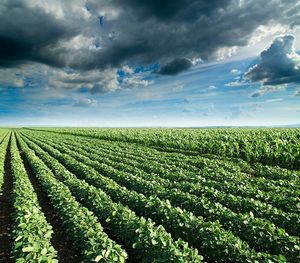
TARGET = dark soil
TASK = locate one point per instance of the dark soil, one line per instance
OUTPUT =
(6, 211)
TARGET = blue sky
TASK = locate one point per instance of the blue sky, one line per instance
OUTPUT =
(255, 81)
(199, 97)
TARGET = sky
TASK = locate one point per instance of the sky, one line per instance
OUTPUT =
(125, 63)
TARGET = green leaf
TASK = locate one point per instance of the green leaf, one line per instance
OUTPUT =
(44, 251)
(28, 249)
(98, 258)
(18, 238)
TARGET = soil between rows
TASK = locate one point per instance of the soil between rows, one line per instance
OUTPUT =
(6, 210)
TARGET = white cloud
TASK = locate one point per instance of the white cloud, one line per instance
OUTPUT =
(136, 81)
(226, 52)
(16, 77)
(11, 77)
(236, 83)
(235, 71)
(97, 81)
(268, 89)
(195, 61)
(267, 32)
(81, 42)
(127, 69)
(208, 89)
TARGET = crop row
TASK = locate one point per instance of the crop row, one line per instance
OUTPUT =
(31, 232)
(286, 199)
(191, 162)
(145, 239)
(256, 169)
(80, 224)
(3, 149)
(212, 169)
(217, 168)
(212, 241)
(288, 221)
(3, 135)
(268, 146)
(196, 163)
(260, 234)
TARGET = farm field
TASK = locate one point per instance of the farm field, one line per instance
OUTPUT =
(149, 195)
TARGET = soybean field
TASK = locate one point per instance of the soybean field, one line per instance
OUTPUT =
(149, 195)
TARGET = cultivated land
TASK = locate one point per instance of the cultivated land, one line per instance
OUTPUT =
(149, 195)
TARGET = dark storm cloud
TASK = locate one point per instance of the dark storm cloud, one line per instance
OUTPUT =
(279, 64)
(24, 32)
(165, 30)
(134, 32)
(170, 9)
(175, 66)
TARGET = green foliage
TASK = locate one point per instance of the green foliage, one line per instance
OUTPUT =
(212, 241)
(269, 146)
(151, 243)
(260, 234)
(154, 189)
(206, 183)
(32, 234)
(80, 223)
